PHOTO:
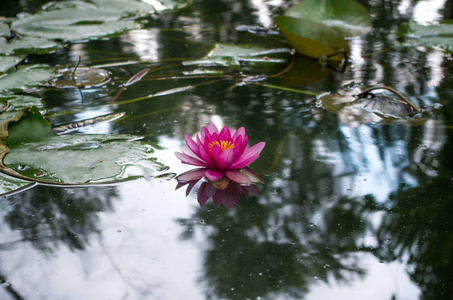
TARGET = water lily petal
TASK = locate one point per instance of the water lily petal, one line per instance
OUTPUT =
(213, 175)
(239, 132)
(191, 160)
(212, 128)
(186, 150)
(203, 193)
(237, 176)
(195, 174)
(252, 189)
(192, 145)
(205, 156)
(249, 156)
(225, 159)
(225, 134)
(254, 177)
(241, 145)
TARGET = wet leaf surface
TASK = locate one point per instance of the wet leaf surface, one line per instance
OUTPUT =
(35, 153)
(312, 39)
(25, 78)
(82, 77)
(439, 35)
(373, 107)
(7, 62)
(233, 56)
(347, 17)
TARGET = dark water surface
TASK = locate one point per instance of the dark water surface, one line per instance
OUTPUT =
(351, 208)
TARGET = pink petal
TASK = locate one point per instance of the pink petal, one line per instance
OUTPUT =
(202, 194)
(252, 189)
(239, 132)
(237, 176)
(225, 159)
(213, 175)
(254, 177)
(205, 134)
(205, 156)
(190, 160)
(225, 134)
(215, 154)
(192, 145)
(249, 156)
(212, 128)
(195, 174)
(186, 150)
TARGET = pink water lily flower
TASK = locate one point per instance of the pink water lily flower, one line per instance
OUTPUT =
(220, 152)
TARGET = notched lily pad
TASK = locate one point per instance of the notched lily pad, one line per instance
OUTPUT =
(27, 44)
(365, 105)
(7, 62)
(312, 39)
(12, 104)
(234, 56)
(82, 77)
(347, 17)
(73, 20)
(31, 151)
(26, 77)
(415, 35)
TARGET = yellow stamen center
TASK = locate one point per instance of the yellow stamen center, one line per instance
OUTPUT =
(223, 145)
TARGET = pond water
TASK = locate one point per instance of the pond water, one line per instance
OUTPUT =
(353, 206)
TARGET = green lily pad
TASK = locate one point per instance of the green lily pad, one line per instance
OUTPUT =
(233, 56)
(27, 44)
(78, 20)
(347, 17)
(440, 35)
(73, 20)
(311, 38)
(7, 62)
(12, 104)
(356, 105)
(25, 78)
(9, 184)
(40, 155)
(4, 29)
(82, 77)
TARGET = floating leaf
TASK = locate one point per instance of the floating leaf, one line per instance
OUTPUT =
(78, 20)
(416, 35)
(311, 38)
(140, 7)
(25, 78)
(9, 184)
(39, 155)
(360, 105)
(82, 77)
(233, 55)
(347, 17)
(12, 104)
(27, 44)
(73, 20)
(4, 29)
(7, 62)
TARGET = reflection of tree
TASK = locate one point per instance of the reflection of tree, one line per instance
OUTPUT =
(418, 227)
(48, 216)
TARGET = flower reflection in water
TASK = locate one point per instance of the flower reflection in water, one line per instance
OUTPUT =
(222, 191)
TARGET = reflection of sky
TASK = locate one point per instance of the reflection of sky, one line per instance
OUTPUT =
(383, 281)
(425, 12)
